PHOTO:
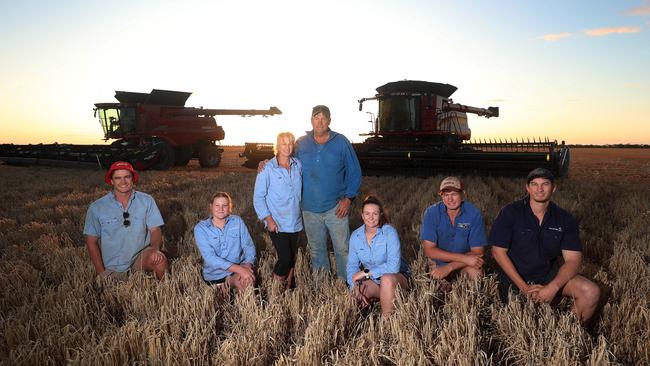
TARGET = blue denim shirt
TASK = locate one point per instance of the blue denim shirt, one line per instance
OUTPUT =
(277, 194)
(120, 244)
(468, 230)
(382, 257)
(331, 171)
(532, 247)
(221, 248)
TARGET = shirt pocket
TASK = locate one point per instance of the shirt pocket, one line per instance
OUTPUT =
(552, 244)
(110, 222)
(379, 251)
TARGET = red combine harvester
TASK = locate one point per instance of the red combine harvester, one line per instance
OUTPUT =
(151, 130)
(419, 130)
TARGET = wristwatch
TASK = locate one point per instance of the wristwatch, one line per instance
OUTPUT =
(367, 272)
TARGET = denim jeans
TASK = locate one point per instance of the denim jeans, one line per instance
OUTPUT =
(317, 226)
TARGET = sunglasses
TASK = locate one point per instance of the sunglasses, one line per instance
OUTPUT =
(126, 222)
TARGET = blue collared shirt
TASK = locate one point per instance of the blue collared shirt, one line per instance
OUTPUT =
(381, 257)
(467, 232)
(534, 248)
(277, 194)
(221, 248)
(120, 244)
(331, 171)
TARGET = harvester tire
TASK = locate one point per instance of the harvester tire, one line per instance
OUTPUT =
(182, 155)
(210, 156)
(165, 158)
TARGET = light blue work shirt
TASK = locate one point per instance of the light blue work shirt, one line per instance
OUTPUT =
(383, 256)
(277, 194)
(330, 171)
(467, 232)
(221, 248)
(120, 244)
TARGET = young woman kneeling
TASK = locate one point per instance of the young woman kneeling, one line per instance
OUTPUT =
(226, 247)
(375, 264)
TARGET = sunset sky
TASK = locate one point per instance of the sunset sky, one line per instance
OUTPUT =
(577, 71)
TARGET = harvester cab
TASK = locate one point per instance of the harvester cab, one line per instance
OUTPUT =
(420, 130)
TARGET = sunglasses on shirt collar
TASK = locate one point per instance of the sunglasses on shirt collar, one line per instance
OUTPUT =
(126, 222)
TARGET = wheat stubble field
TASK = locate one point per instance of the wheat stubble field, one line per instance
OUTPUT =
(54, 311)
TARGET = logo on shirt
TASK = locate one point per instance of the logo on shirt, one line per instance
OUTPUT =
(463, 225)
(558, 229)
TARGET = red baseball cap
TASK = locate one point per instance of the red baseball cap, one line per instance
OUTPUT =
(117, 166)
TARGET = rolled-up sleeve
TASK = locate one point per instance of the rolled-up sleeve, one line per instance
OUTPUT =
(352, 171)
(260, 192)
(247, 243)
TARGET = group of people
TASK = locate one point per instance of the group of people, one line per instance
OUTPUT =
(310, 185)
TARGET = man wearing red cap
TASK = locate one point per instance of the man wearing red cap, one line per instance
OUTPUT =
(453, 233)
(123, 228)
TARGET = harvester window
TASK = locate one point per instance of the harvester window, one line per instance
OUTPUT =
(399, 113)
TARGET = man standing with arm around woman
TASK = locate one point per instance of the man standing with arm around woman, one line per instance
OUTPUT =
(278, 191)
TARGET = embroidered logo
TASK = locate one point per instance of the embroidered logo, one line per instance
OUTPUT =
(463, 225)
(558, 229)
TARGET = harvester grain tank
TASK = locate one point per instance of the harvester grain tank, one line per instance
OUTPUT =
(150, 130)
(420, 130)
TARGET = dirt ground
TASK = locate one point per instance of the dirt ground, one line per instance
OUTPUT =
(610, 163)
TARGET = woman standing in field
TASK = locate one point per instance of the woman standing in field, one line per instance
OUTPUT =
(278, 191)
(375, 264)
(226, 247)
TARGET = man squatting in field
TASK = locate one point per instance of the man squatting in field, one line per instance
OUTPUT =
(453, 233)
(528, 236)
(123, 228)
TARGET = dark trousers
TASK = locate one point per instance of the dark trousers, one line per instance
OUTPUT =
(286, 245)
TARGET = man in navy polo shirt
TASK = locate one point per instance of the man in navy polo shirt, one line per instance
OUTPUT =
(528, 236)
(453, 233)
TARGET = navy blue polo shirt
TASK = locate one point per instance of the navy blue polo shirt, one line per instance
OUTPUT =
(534, 248)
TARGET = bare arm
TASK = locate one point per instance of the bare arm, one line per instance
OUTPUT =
(156, 244)
(572, 262)
(95, 253)
(156, 238)
(474, 258)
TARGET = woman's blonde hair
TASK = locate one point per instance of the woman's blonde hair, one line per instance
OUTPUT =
(282, 135)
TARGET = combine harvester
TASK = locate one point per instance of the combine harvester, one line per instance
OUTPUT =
(419, 130)
(151, 130)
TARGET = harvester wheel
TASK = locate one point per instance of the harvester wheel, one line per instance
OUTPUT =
(210, 156)
(165, 158)
(182, 155)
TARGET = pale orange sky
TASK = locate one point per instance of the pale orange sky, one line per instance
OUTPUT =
(553, 73)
